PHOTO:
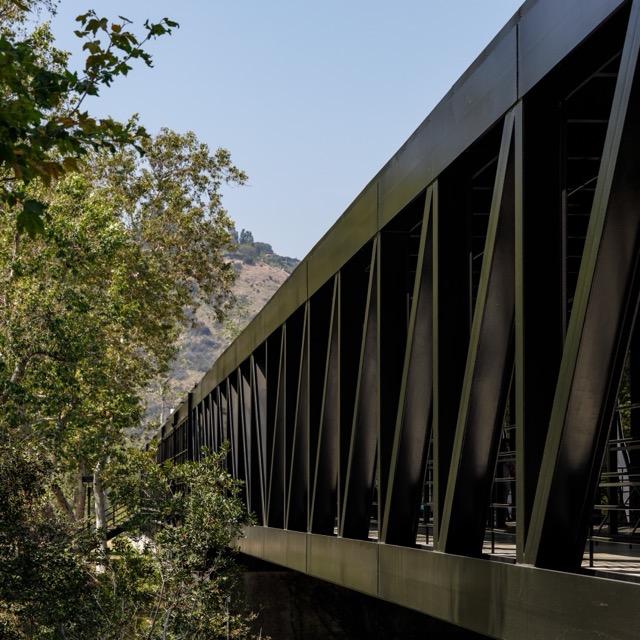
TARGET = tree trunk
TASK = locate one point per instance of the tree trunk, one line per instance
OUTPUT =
(100, 504)
(165, 626)
(62, 501)
(80, 498)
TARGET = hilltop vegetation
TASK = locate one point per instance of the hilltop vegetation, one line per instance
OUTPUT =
(249, 252)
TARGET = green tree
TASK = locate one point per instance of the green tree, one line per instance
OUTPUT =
(170, 200)
(170, 574)
(246, 237)
(91, 304)
(173, 575)
(44, 130)
(89, 313)
(44, 579)
(91, 308)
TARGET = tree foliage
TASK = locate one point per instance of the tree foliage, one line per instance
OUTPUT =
(180, 575)
(91, 308)
(170, 574)
(89, 313)
(44, 130)
(171, 202)
(109, 240)
(43, 577)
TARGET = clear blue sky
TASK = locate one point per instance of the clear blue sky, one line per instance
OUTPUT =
(311, 98)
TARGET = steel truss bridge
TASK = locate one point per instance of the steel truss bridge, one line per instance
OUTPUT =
(438, 406)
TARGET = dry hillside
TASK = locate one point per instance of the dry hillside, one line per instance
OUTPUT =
(257, 281)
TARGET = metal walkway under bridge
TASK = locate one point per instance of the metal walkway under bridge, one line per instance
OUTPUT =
(440, 406)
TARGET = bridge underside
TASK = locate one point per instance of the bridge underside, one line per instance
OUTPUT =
(456, 363)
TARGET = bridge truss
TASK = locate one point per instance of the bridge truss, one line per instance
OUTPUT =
(457, 361)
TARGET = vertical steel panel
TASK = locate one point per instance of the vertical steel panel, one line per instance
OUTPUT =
(246, 414)
(220, 416)
(233, 417)
(277, 466)
(207, 434)
(273, 356)
(413, 422)
(238, 444)
(215, 419)
(325, 489)
(452, 299)
(539, 335)
(488, 371)
(190, 427)
(393, 264)
(259, 390)
(232, 398)
(224, 414)
(197, 436)
(293, 357)
(634, 397)
(597, 338)
(319, 327)
(253, 434)
(297, 513)
(362, 448)
(202, 426)
(354, 279)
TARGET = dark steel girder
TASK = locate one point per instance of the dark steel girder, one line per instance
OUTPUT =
(598, 335)
(412, 426)
(325, 488)
(488, 370)
(277, 480)
(359, 480)
(297, 515)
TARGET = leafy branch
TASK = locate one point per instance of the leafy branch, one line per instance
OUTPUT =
(43, 129)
